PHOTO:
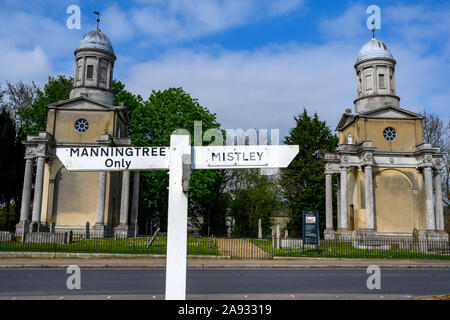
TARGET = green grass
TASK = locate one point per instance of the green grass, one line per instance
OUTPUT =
(345, 250)
(207, 246)
(202, 246)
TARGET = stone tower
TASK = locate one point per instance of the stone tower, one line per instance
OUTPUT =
(375, 72)
(68, 200)
(388, 178)
(94, 64)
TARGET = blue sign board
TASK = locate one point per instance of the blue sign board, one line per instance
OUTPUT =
(311, 227)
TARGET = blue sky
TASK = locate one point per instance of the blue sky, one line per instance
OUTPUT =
(255, 63)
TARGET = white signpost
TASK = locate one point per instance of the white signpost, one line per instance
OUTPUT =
(179, 159)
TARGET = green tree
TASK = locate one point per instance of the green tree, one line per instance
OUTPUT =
(26, 106)
(437, 132)
(33, 117)
(253, 197)
(152, 124)
(31, 107)
(11, 164)
(125, 97)
(304, 180)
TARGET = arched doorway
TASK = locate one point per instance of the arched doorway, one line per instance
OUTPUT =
(394, 202)
(75, 198)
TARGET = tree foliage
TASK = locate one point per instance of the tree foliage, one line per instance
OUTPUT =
(304, 180)
(11, 164)
(33, 117)
(152, 123)
(437, 132)
(253, 197)
(125, 97)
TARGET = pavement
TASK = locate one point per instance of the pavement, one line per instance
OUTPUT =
(203, 262)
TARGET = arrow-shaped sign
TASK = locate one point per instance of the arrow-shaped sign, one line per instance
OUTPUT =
(235, 157)
(114, 158)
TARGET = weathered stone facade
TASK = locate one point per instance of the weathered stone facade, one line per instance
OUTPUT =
(388, 178)
(88, 118)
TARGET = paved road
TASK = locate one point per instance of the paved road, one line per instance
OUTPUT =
(225, 284)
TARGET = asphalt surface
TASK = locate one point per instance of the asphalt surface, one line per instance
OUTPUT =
(222, 284)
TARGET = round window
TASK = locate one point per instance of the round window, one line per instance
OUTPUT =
(390, 134)
(81, 125)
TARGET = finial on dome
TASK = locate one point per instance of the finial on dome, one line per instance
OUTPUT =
(373, 29)
(98, 17)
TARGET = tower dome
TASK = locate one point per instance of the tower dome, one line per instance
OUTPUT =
(96, 39)
(94, 64)
(374, 49)
(375, 74)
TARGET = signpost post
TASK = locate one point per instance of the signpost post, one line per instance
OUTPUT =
(180, 158)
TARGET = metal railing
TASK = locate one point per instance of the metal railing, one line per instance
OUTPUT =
(229, 247)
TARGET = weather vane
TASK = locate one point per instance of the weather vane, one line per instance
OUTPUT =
(98, 17)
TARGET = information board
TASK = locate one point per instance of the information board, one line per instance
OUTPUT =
(310, 227)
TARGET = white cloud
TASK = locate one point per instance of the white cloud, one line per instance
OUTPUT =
(30, 30)
(419, 39)
(116, 24)
(259, 89)
(266, 87)
(33, 48)
(349, 25)
(25, 65)
(176, 20)
(263, 88)
(277, 8)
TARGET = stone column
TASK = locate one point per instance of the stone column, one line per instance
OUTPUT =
(278, 236)
(124, 202)
(135, 203)
(259, 229)
(338, 201)
(370, 223)
(26, 192)
(100, 218)
(344, 200)
(83, 72)
(108, 76)
(329, 201)
(37, 201)
(438, 198)
(430, 218)
(97, 72)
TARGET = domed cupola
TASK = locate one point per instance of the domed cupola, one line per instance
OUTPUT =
(375, 72)
(374, 49)
(96, 39)
(94, 68)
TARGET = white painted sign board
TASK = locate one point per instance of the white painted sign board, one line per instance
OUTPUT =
(114, 158)
(158, 158)
(243, 157)
(177, 158)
